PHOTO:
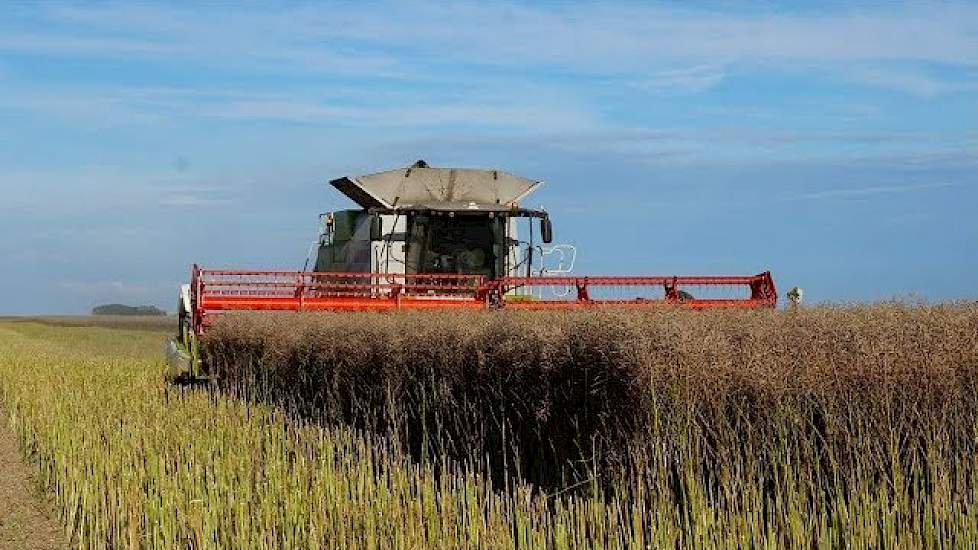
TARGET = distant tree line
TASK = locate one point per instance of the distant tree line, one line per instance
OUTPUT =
(121, 309)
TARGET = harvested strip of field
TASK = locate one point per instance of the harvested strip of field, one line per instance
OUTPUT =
(26, 522)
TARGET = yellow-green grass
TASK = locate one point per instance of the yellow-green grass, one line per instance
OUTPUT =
(153, 323)
(134, 463)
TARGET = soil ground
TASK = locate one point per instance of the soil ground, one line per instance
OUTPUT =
(27, 521)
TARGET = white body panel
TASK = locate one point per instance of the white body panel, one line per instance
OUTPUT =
(387, 255)
(185, 306)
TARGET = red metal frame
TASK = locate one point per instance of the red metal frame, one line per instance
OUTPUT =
(761, 289)
(215, 291)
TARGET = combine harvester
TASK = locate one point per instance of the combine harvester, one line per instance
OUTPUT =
(435, 238)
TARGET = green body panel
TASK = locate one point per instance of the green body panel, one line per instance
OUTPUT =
(344, 251)
(345, 224)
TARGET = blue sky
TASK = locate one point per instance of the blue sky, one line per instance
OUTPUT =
(835, 146)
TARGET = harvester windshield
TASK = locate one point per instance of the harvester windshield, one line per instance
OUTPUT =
(459, 244)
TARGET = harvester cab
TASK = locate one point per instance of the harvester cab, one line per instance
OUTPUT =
(437, 221)
(434, 238)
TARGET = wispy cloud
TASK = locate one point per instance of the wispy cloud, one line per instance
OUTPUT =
(916, 81)
(191, 200)
(477, 114)
(94, 191)
(193, 196)
(489, 108)
(93, 110)
(728, 146)
(595, 39)
(181, 36)
(693, 79)
(434, 65)
(869, 191)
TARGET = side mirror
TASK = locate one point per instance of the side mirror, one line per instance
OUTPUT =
(376, 228)
(546, 230)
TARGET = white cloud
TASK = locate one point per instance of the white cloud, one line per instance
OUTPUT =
(53, 194)
(90, 109)
(590, 39)
(487, 108)
(468, 64)
(869, 191)
(202, 40)
(191, 200)
(914, 81)
(55, 43)
(693, 79)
